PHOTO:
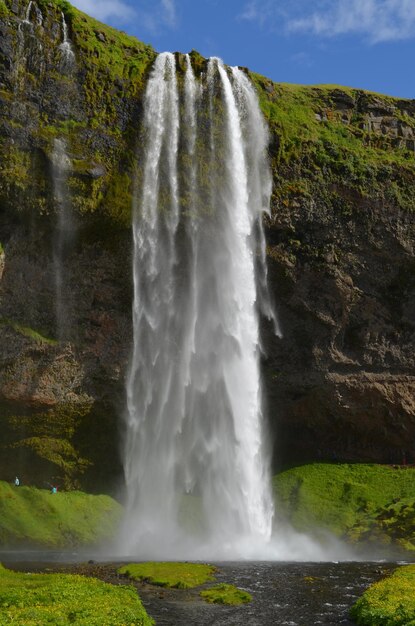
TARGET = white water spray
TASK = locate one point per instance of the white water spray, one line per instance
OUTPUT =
(61, 167)
(194, 441)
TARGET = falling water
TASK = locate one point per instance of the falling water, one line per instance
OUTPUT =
(38, 13)
(194, 441)
(61, 167)
(68, 56)
(29, 52)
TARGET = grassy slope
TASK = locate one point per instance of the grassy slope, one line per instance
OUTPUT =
(38, 599)
(35, 517)
(390, 602)
(360, 502)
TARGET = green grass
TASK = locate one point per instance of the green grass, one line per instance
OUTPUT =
(389, 602)
(61, 599)
(35, 517)
(171, 575)
(360, 502)
(226, 594)
(293, 108)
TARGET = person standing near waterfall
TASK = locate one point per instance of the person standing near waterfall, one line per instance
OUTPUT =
(16, 482)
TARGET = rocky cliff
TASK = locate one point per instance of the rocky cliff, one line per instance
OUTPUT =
(340, 382)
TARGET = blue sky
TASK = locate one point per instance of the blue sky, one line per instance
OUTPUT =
(359, 43)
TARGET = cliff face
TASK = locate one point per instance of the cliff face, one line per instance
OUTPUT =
(341, 251)
(67, 148)
(340, 245)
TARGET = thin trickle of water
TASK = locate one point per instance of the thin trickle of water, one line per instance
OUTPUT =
(29, 52)
(61, 167)
(28, 10)
(196, 471)
(68, 56)
(32, 6)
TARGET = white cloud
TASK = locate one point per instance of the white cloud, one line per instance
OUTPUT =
(375, 20)
(163, 12)
(251, 12)
(302, 58)
(169, 12)
(105, 9)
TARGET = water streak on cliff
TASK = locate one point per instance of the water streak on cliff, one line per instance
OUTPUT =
(32, 6)
(195, 432)
(64, 234)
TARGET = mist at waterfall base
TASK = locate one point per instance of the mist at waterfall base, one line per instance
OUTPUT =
(197, 463)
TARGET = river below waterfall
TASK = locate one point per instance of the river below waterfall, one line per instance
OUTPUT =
(284, 594)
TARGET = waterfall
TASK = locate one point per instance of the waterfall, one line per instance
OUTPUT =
(194, 425)
(64, 233)
(38, 13)
(65, 48)
(29, 50)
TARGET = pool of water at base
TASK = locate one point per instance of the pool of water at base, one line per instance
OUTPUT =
(284, 593)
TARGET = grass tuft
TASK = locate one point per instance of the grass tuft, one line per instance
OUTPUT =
(226, 594)
(171, 575)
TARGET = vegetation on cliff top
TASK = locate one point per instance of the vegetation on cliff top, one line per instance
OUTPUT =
(361, 503)
(332, 141)
(321, 135)
(92, 105)
(39, 599)
(37, 518)
(389, 602)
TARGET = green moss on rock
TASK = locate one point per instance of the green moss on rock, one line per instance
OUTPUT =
(26, 331)
(4, 11)
(226, 594)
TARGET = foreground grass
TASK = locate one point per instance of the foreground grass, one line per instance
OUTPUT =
(39, 599)
(35, 517)
(171, 575)
(390, 602)
(360, 502)
(226, 594)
